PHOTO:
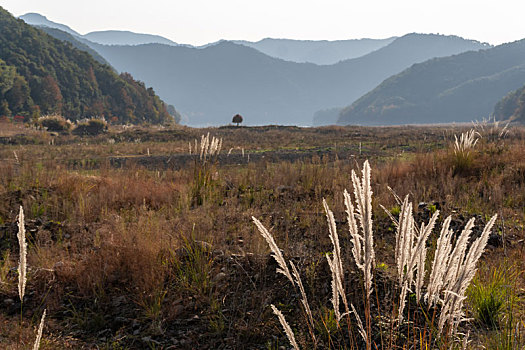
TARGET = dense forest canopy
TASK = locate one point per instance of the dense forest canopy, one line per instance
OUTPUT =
(41, 75)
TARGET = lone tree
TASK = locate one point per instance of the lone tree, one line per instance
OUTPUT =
(237, 119)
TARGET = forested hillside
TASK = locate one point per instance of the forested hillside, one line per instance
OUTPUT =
(459, 88)
(42, 75)
(512, 106)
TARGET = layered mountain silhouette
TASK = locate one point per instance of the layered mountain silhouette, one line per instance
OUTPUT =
(322, 52)
(301, 51)
(122, 37)
(106, 37)
(42, 75)
(211, 83)
(37, 19)
(459, 88)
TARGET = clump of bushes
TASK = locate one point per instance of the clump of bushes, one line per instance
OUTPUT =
(91, 127)
(55, 123)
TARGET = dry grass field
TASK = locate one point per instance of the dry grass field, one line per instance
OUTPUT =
(134, 242)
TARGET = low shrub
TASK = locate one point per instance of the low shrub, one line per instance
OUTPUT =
(91, 128)
(55, 123)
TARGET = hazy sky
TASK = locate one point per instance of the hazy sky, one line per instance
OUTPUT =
(204, 21)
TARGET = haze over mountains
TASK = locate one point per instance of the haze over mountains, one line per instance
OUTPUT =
(121, 37)
(322, 52)
(212, 84)
(106, 37)
(459, 88)
(266, 83)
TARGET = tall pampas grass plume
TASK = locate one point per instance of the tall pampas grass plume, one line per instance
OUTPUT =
(286, 326)
(276, 252)
(39, 334)
(22, 261)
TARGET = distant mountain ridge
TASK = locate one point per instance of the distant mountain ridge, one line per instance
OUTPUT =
(211, 83)
(106, 37)
(309, 51)
(39, 20)
(42, 75)
(459, 88)
(322, 52)
(123, 37)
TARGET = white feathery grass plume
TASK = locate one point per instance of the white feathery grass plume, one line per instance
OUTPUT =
(419, 253)
(476, 250)
(352, 228)
(334, 238)
(420, 270)
(204, 145)
(363, 197)
(220, 146)
(466, 141)
(466, 272)
(451, 311)
(440, 263)
(304, 299)
(214, 145)
(396, 197)
(189, 146)
(404, 240)
(286, 326)
(276, 252)
(387, 212)
(22, 262)
(336, 264)
(335, 289)
(411, 251)
(458, 255)
(39, 334)
(402, 301)
(456, 285)
(209, 146)
(360, 327)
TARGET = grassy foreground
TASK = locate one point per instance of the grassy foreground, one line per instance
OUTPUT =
(135, 243)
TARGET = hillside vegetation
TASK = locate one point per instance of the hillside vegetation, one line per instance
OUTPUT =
(512, 107)
(459, 88)
(42, 75)
(75, 41)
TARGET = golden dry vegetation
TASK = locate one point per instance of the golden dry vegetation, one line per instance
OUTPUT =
(135, 243)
